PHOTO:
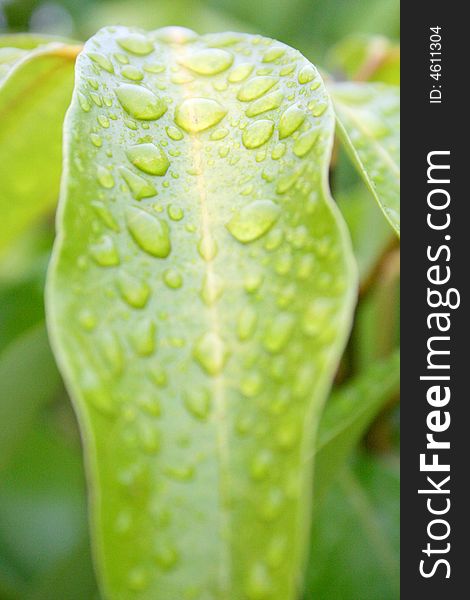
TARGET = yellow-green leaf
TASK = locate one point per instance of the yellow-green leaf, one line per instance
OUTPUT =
(198, 300)
(368, 117)
(35, 92)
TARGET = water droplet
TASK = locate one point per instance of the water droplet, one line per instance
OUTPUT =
(149, 158)
(84, 104)
(274, 239)
(271, 507)
(101, 60)
(138, 579)
(172, 278)
(246, 322)
(133, 290)
(258, 133)
(198, 402)
(211, 353)
(175, 212)
(305, 266)
(150, 438)
(279, 332)
(111, 351)
(240, 72)
(264, 104)
(287, 436)
(209, 61)
(132, 73)
(140, 102)
(139, 187)
(290, 121)
(305, 142)
(256, 87)
(174, 133)
(96, 99)
(87, 319)
(219, 134)
(250, 385)
(158, 375)
(306, 74)
(104, 252)
(166, 556)
(122, 58)
(276, 553)
(252, 282)
(96, 140)
(273, 54)
(180, 473)
(151, 233)
(103, 121)
(198, 114)
(253, 220)
(278, 151)
(261, 465)
(212, 288)
(319, 109)
(207, 247)
(143, 337)
(151, 405)
(136, 43)
(259, 585)
(105, 177)
(283, 264)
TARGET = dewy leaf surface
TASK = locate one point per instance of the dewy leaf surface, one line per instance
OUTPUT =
(35, 92)
(368, 118)
(199, 297)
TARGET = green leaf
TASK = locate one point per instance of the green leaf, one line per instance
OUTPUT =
(72, 578)
(42, 501)
(356, 537)
(34, 95)
(370, 233)
(199, 297)
(366, 58)
(368, 117)
(347, 415)
(28, 379)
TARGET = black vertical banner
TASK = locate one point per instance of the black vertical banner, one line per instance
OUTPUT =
(435, 207)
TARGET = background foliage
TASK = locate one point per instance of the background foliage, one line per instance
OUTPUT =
(44, 546)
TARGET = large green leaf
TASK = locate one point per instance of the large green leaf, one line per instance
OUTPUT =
(369, 124)
(199, 296)
(34, 95)
(347, 415)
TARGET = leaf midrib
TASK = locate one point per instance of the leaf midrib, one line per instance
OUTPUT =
(218, 381)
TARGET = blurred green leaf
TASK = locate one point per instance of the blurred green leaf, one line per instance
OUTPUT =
(370, 233)
(355, 539)
(72, 578)
(376, 330)
(28, 379)
(368, 118)
(348, 413)
(366, 58)
(42, 501)
(239, 304)
(34, 96)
